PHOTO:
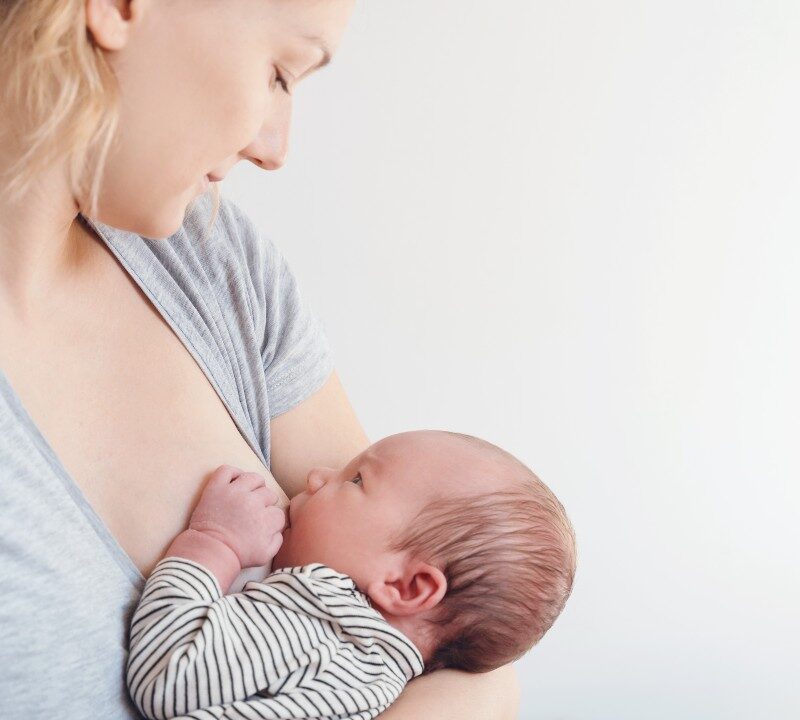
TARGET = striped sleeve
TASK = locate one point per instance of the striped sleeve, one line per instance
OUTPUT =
(333, 598)
(191, 647)
(304, 642)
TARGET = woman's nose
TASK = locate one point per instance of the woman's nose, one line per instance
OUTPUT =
(271, 146)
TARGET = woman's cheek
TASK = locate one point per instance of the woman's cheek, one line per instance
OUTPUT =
(240, 115)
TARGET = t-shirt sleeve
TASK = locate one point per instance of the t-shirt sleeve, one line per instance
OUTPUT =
(295, 351)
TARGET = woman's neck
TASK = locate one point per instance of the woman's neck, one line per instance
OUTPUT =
(42, 245)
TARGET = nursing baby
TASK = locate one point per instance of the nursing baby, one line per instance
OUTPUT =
(428, 550)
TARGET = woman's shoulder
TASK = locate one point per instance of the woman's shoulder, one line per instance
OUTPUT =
(218, 252)
(221, 279)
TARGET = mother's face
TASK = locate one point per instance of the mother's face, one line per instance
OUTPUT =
(204, 84)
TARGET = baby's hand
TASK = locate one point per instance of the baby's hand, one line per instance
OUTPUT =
(238, 509)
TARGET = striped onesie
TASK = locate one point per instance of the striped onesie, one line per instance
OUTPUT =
(302, 643)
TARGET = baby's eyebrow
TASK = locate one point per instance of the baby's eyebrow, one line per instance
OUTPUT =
(370, 462)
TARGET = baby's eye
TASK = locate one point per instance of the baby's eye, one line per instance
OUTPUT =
(357, 480)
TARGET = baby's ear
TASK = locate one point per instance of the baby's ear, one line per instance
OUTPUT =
(413, 588)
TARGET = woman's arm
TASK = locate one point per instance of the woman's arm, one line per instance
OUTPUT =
(453, 695)
(321, 430)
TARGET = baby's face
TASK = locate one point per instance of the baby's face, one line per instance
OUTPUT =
(346, 519)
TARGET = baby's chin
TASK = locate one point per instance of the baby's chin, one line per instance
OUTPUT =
(304, 551)
(282, 558)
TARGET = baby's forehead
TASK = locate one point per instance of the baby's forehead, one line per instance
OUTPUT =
(421, 439)
(441, 460)
(430, 445)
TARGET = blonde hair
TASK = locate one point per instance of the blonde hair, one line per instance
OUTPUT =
(509, 559)
(63, 92)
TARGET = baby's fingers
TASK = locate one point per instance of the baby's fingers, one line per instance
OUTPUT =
(223, 475)
(274, 546)
(267, 496)
(274, 519)
(250, 481)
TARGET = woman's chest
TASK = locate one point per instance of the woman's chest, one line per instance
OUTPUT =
(128, 412)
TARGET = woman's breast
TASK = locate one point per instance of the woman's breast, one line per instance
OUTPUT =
(128, 412)
(149, 451)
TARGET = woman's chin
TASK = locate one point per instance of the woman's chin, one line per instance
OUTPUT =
(151, 220)
(163, 225)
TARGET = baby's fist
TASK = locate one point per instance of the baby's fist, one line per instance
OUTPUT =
(238, 509)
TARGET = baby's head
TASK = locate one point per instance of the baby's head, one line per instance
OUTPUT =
(456, 543)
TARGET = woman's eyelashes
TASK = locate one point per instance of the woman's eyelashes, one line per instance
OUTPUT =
(357, 479)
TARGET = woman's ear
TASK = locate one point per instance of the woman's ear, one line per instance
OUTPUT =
(109, 21)
(417, 587)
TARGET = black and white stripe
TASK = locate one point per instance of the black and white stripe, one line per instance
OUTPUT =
(302, 643)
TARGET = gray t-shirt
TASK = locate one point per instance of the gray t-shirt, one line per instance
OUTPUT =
(67, 588)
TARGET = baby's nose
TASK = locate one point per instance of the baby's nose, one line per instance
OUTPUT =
(315, 480)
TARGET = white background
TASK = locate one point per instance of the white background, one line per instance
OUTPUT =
(571, 227)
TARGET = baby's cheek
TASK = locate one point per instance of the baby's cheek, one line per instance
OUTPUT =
(317, 533)
(322, 540)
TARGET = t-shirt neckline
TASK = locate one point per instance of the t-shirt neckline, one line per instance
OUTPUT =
(73, 490)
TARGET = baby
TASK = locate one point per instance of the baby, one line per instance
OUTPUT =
(428, 550)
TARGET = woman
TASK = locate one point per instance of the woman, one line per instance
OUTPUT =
(132, 366)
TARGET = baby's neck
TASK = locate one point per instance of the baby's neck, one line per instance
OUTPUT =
(414, 628)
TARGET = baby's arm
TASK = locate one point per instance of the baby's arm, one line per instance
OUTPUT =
(235, 525)
(298, 641)
(184, 652)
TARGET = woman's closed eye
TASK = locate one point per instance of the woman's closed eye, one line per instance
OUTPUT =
(279, 79)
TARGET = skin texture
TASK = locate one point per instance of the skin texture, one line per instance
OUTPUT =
(347, 519)
(324, 426)
(228, 105)
(218, 101)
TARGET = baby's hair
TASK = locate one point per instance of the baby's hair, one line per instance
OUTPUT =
(509, 560)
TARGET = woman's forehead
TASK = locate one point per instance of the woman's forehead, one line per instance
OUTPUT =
(318, 22)
(291, 23)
